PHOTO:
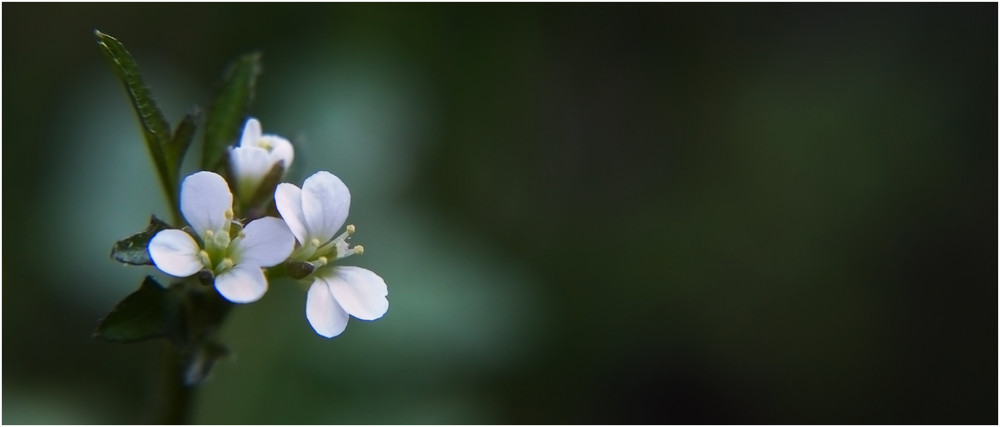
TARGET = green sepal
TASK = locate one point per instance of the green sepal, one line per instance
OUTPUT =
(265, 190)
(150, 312)
(133, 249)
(155, 128)
(226, 115)
(298, 269)
(258, 204)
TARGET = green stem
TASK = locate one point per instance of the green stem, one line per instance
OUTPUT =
(176, 397)
(188, 358)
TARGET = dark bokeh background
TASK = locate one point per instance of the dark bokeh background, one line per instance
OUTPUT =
(655, 213)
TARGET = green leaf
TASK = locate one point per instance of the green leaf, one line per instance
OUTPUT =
(225, 117)
(133, 249)
(147, 313)
(181, 141)
(155, 128)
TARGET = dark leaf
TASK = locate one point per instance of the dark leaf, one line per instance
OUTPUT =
(132, 249)
(179, 143)
(147, 313)
(155, 128)
(225, 117)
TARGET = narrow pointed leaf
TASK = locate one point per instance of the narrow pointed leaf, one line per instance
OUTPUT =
(180, 142)
(155, 128)
(133, 249)
(147, 313)
(227, 113)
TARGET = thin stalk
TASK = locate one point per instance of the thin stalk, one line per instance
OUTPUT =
(176, 397)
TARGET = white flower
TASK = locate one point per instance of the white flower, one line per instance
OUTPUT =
(256, 155)
(315, 213)
(206, 203)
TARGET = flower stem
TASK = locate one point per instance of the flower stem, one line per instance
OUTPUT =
(176, 397)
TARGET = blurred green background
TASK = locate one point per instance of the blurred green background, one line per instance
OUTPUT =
(636, 213)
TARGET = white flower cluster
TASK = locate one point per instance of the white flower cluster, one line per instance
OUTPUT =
(236, 253)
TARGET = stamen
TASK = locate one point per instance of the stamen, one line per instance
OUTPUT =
(321, 261)
(221, 240)
(205, 259)
(314, 243)
(338, 247)
(358, 250)
(226, 264)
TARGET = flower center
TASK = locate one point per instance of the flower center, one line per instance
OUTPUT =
(217, 255)
(318, 254)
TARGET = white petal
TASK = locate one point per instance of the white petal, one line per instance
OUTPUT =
(251, 133)
(359, 291)
(205, 199)
(280, 149)
(242, 284)
(323, 312)
(174, 252)
(249, 164)
(325, 202)
(266, 242)
(288, 199)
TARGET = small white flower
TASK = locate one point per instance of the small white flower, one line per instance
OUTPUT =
(236, 263)
(315, 213)
(256, 155)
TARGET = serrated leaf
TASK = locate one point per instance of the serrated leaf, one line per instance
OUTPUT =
(133, 249)
(155, 128)
(147, 313)
(181, 141)
(225, 117)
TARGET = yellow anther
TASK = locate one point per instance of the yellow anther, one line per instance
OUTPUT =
(350, 229)
(229, 214)
(205, 259)
(265, 144)
(314, 243)
(226, 264)
(358, 250)
(322, 260)
(209, 233)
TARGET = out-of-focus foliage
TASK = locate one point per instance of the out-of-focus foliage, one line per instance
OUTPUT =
(144, 314)
(229, 110)
(655, 213)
